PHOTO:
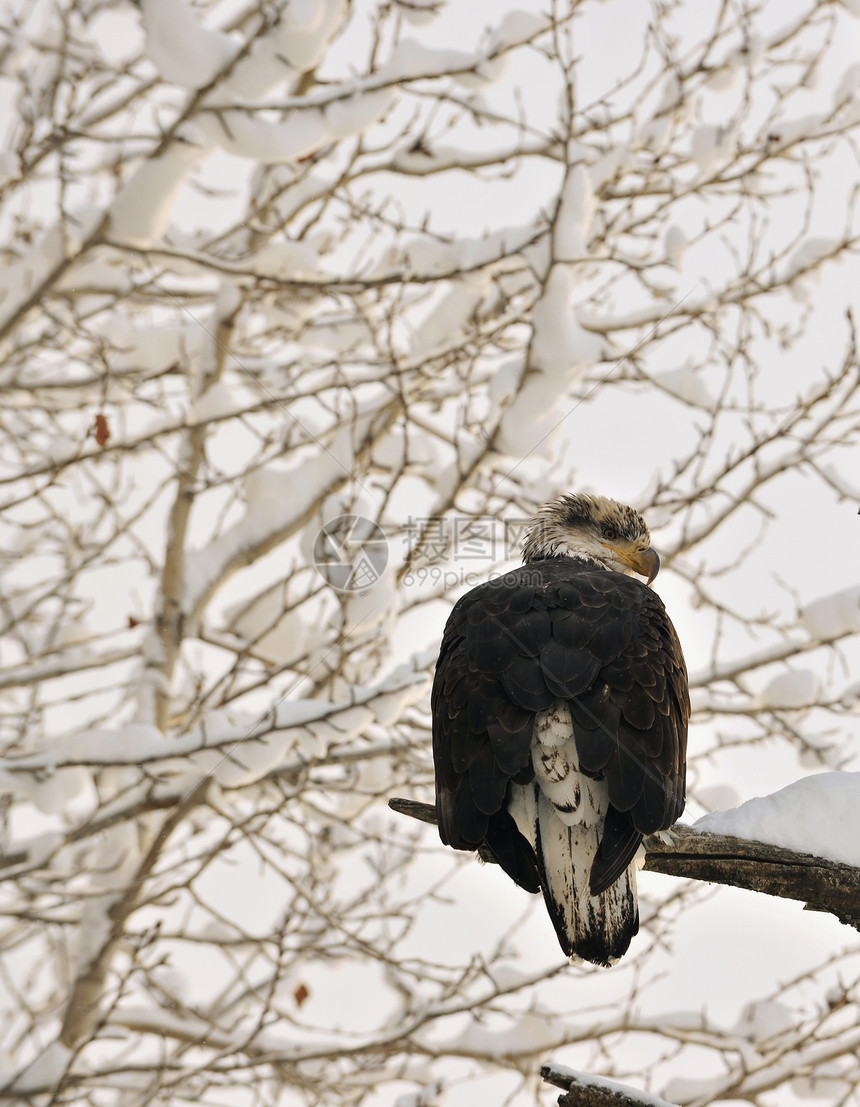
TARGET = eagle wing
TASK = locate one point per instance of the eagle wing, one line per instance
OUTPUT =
(559, 629)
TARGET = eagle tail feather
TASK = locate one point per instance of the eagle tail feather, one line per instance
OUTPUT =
(594, 928)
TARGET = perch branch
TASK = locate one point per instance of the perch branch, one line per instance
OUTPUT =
(820, 884)
(582, 1090)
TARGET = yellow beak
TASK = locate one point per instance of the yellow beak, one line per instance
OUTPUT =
(646, 563)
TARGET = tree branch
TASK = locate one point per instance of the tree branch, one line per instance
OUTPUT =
(582, 1090)
(820, 884)
(82, 1009)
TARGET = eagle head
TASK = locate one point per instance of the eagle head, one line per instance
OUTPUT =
(593, 528)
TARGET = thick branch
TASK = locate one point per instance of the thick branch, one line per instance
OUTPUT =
(582, 1090)
(169, 620)
(82, 1008)
(820, 884)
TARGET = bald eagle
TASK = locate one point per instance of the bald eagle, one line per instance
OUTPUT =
(560, 708)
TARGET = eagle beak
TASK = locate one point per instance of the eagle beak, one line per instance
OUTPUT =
(646, 563)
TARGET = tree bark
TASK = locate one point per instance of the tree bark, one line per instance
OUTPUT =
(582, 1090)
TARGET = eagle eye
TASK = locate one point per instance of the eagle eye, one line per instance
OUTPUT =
(609, 533)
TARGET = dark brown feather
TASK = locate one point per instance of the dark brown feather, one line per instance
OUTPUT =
(559, 628)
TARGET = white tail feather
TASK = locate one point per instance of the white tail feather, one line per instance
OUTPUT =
(561, 813)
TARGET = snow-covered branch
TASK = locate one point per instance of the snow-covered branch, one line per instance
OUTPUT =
(583, 1090)
(821, 884)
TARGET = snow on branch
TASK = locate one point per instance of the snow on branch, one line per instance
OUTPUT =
(279, 503)
(583, 1090)
(292, 734)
